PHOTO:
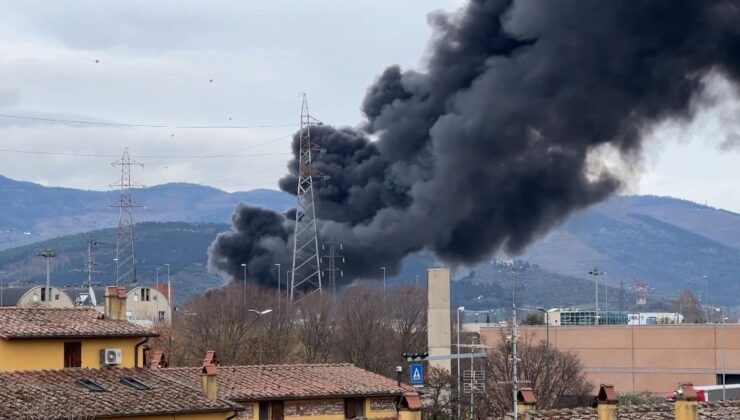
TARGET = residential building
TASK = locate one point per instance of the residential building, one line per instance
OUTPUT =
(147, 305)
(106, 393)
(319, 391)
(27, 296)
(55, 338)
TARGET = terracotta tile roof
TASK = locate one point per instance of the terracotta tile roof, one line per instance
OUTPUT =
(711, 410)
(56, 394)
(263, 382)
(57, 322)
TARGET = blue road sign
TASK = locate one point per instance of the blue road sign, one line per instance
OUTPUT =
(417, 374)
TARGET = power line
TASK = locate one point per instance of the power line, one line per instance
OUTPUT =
(98, 61)
(121, 124)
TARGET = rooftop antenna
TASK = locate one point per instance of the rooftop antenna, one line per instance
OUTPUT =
(125, 257)
(48, 254)
(306, 273)
(89, 264)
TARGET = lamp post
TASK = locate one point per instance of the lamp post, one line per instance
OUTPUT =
(244, 286)
(383, 269)
(459, 397)
(169, 288)
(259, 314)
(596, 273)
(278, 284)
(48, 254)
(547, 330)
(287, 284)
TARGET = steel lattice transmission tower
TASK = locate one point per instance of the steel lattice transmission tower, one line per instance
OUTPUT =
(125, 257)
(306, 274)
(334, 255)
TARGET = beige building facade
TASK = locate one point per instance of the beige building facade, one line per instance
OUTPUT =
(147, 305)
(643, 358)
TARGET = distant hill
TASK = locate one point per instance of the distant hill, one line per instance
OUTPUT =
(669, 243)
(31, 212)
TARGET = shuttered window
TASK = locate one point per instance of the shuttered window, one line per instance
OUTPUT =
(72, 354)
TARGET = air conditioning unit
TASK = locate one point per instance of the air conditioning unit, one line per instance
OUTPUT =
(110, 357)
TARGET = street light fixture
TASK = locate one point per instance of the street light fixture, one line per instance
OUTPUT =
(259, 314)
(244, 286)
(278, 282)
(596, 273)
(457, 364)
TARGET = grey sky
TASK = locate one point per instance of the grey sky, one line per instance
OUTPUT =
(156, 60)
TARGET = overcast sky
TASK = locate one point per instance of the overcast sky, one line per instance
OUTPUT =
(156, 60)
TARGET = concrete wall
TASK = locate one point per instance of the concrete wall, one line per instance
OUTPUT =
(644, 358)
(36, 354)
(438, 315)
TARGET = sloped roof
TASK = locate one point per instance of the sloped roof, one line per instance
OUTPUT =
(711, 410)
(48, 394)
(264, 382)
(64, 322)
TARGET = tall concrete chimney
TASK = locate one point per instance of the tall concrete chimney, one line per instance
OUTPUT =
(438, 316)
(607, 400)
(115, 303)
(686, 405)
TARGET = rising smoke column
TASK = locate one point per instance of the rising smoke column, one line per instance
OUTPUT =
(498, 139)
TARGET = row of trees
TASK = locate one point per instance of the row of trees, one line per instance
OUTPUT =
(363, 326)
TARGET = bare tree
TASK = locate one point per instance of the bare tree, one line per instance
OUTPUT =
(554, 375)
(315, 327)
(689, 306)
(439, 399)
(364, 329)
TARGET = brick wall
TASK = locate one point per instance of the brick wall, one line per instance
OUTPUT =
(313, 408)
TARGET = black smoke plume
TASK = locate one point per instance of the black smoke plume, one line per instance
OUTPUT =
(499, 138)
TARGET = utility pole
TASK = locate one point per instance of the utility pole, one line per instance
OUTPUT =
(621, 295)
(89, 269)
(157, 287)
(48, 254)
(125, 256)
(332, 256)
(306, 270)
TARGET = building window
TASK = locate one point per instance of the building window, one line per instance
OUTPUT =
(43, 294)
(354, 408)
(73, 354)
(264, 410)
(161, 316)
(56, 296)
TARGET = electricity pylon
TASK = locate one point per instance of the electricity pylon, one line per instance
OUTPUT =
(125, 256)
(306, 273)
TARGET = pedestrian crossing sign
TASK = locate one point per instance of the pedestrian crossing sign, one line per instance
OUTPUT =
(417, 374)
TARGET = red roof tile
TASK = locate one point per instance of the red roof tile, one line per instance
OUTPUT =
(56, 394)
(57, 322)
(264, 382)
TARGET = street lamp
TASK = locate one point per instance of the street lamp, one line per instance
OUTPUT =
(459, 309)
(169, 289)
(244, 266)
(596, 273)
(156, 286)
(278, 282)
(547, 329)
(259, 314)
(383, 269)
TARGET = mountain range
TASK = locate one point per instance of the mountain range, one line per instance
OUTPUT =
(667, 243)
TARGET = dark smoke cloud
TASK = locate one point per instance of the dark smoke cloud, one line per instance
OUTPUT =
(493, 144)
